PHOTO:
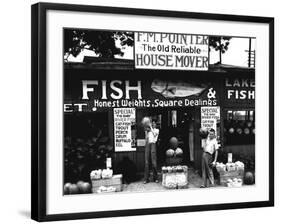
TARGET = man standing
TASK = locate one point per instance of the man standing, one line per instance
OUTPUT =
(151, 136)
(210, 147)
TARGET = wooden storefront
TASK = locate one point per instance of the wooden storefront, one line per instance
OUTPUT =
(188, 121)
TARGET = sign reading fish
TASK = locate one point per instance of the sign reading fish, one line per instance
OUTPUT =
(117, 89)
(101, 94)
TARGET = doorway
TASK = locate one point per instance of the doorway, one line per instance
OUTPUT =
(173, 122)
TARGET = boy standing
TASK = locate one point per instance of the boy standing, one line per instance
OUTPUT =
(151, 136)
(210, 147)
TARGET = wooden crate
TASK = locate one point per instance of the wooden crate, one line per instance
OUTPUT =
(115, 181)
(224, 176)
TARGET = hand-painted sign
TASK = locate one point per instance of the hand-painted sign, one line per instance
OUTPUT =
(96, 95)
(124, 119)
(171, 51)
(239, 91)
(209, 117)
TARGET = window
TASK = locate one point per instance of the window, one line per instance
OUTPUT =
(239, 127)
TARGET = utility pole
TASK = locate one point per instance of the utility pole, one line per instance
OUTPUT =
(249, 53)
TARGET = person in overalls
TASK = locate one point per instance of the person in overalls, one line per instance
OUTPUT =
(210, 147)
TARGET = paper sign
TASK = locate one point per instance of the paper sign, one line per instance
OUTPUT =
(108, 163)
(209, 117)
(124, 119)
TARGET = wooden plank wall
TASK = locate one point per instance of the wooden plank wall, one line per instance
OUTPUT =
(137, 157)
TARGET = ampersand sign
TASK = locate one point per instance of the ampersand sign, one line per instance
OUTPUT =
(211, 93)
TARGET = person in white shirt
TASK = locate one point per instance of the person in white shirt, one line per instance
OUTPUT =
(210, 147)
(151, 136)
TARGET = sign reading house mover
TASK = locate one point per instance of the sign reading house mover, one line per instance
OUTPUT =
(171, 51)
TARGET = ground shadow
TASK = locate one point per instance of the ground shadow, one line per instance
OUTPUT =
(24, 213)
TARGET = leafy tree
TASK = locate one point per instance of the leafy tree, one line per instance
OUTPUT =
(101, 42)
(219, 43)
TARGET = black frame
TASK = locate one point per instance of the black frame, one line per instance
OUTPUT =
(38, 110)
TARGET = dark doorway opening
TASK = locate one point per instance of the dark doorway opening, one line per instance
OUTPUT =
(171, 122)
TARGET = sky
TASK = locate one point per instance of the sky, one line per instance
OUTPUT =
(235, 55)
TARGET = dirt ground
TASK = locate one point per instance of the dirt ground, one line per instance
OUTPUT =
(195, 181)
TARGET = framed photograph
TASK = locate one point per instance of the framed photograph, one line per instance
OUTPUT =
(138, 111)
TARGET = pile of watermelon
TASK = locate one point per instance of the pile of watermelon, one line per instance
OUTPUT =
(80, 187)
(82, 155)
(174, 150)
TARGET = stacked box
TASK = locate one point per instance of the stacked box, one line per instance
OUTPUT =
(115, 181)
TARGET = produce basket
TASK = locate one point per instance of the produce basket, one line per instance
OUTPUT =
(230, 167)
(115, 182)
(221, 167)
(96, 174)
(231, 175)
(175, 177)
(234, 183)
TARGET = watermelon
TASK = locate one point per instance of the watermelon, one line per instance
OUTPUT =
(66, 188)
(174, 142)
(170, 153)
(239, 131)
(247, 131)
(73, 189)
(249, 124)
(231, 130)
(254, 131)
(79, 185)
(203, 132)
(86, 188)
(249, 178)
(146, 122)
(178, 152)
